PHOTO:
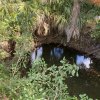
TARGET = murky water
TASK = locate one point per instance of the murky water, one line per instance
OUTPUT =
(54, 53)
(85, 83)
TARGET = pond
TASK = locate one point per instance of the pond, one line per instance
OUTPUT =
(88, 80)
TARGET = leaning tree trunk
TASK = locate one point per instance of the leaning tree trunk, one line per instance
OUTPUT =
(72, 29)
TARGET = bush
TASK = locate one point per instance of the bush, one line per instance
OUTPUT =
(42, 83)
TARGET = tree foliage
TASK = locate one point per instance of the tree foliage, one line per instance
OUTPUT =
(18, 20)
(17, 17)
(42, 83)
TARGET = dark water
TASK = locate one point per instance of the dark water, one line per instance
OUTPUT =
(88, 81)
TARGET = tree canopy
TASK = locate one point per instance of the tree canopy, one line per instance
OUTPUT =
(22, 16)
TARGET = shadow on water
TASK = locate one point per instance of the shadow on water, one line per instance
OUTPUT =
(85, 83)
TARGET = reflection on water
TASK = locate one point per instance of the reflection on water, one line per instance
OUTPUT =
(83, 61)
(52, 54)
(56, 53)
(37, 53)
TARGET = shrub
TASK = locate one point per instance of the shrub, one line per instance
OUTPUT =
(42, 83)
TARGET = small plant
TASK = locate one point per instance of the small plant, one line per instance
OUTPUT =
(42, 83)
(50, 80)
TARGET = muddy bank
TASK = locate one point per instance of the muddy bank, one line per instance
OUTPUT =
(85, 43)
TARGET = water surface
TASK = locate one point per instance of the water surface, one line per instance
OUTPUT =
(86, 82)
